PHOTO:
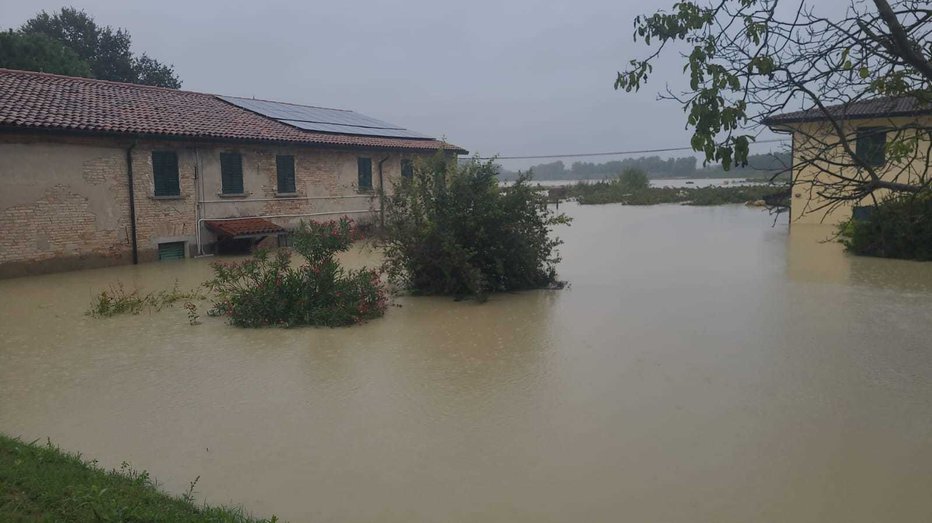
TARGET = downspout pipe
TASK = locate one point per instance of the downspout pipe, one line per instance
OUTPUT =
(198, 200)
(382, 194)
(132, 202)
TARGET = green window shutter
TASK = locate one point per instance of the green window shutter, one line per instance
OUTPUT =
(231, 173)
(365, 173)
(407, 169)
(171, 251)
(165, 173)
(285, 166)
(870, 145)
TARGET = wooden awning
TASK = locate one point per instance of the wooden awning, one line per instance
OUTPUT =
(243, 227)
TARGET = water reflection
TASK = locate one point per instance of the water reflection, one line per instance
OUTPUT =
(703, 366)
(814, 255)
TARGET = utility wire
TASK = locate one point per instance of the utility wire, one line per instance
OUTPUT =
(616, 153)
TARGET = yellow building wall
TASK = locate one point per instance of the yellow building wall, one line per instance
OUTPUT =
(820, 140)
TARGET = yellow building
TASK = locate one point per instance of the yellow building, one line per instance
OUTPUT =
(847, 157)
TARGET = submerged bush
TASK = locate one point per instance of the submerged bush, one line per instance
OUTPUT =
(450, 229)
(267, 289)
(618, 190)
(633, 179)
(117, 300)
(899, 227)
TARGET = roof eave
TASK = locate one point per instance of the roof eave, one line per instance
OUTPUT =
(777, 121)
(12, 129)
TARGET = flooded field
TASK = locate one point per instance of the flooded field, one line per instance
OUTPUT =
(702, 367)
(656, 182)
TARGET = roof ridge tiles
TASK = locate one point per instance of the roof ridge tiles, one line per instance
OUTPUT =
(97, 81)
(38, 101)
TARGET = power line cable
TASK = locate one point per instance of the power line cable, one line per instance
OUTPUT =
(615, 153)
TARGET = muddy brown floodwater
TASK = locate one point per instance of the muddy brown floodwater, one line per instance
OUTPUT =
(703, 367)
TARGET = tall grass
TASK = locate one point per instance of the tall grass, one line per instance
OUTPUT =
(117, 300)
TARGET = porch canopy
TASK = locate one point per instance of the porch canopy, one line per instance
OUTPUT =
(239, 228)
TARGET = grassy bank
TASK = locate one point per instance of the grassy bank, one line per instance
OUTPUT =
(40, 482)
(612, 191)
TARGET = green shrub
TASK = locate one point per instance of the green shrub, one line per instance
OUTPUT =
(451, 230)
(116, 300)
(898, 227)
(633, 179)
(267, 289)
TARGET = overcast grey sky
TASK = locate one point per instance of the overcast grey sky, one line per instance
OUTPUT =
(522, 77)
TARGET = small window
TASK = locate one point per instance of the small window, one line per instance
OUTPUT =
(165, 173)
(870, 145)
(365, 173)
(407, 169)
(171, 251)
(231, 173)
(862, 213)
(285, 166)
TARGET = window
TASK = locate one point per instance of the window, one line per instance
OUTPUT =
(231, 173)
(165, 173)
(862, 212)
(171, 251)
(407, 169)
(870, 145)
(285, 166)
(365, 173)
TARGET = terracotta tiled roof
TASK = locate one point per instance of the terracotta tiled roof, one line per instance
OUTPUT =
(875, 107)
(243, 227)
(41, 101)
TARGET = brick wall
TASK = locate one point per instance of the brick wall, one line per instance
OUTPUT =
(160, 219)
(64, 201)
(63, 205)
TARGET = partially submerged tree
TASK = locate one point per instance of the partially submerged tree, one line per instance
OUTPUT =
(268, 289)
(450, 229)
(633, 179)
(748, 60)
(70, 42)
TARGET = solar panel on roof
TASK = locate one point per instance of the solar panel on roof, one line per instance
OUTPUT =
(352, 129)
(323, 119)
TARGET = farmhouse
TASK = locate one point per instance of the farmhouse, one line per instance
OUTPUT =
(821, 164)
(96, 173)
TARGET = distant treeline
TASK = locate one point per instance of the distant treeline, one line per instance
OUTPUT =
(759, 166)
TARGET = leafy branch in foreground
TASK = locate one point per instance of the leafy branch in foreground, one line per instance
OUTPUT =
(748, 60)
